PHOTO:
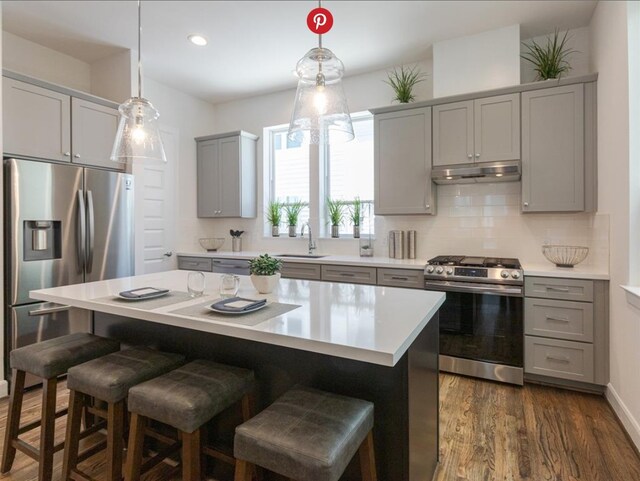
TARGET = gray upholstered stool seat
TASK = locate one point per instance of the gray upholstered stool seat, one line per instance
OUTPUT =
(109, 379)
(187, 398)
(306, 435)
(47, 360)
(54, 357)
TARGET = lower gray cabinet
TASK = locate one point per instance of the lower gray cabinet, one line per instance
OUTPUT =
(301, 270)
(350, 274)
(560, 359)
(194, 263)
(411, 278)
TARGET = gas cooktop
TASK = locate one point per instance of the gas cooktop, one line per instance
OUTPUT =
(470, 261)
(493, 270)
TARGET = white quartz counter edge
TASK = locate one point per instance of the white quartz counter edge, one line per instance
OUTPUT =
(577, 272)
(75, 296)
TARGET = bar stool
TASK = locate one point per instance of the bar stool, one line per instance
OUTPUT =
(108, 379)
(307, 435)
(186, 399)
(46, 360)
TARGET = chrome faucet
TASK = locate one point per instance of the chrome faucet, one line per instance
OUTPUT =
(312, 244)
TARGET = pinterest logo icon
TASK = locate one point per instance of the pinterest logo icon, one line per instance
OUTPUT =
(319, 20)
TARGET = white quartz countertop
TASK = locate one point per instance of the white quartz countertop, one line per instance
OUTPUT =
(365, 323)
(578, 272)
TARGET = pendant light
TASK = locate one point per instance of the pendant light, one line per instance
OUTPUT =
(138, 135)
(320, 104)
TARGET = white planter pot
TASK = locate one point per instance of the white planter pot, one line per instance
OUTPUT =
(265, 284)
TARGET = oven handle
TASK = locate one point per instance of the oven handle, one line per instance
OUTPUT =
(451, 286)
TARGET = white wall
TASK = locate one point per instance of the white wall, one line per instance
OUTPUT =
(477, 62)
(610, 59)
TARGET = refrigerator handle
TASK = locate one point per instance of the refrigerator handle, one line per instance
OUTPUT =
(81, 231)
(91, 231)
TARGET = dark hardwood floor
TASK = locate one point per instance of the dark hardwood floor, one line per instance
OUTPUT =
(489, 432)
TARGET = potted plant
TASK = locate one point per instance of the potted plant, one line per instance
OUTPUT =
(355, 214)
(549, 61)
(265, 273)
(292, 212)
(335, 209)
(403, 81)
(274, 217)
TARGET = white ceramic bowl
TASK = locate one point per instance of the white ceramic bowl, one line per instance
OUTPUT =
(565, 256)
(211, 244)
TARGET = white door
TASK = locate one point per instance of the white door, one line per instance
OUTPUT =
(155, 209)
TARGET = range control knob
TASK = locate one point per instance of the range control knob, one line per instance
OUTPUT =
(504, 274)
(449, 271)
(515, 275)
(439, 270)
(430, 269)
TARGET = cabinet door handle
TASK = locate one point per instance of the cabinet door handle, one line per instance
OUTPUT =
(564, 360)
(558, 289)
(526, 204)
(67, 154)
(347, 274)
(470, 156)
(77, 156)
(398, 278)
(427, 206)
(557, 319)
(477, 156)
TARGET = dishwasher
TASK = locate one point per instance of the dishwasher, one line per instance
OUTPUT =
(230, 266)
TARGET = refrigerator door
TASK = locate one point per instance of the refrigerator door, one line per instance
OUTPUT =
(42, 217)
(46, 320)
(110, 241)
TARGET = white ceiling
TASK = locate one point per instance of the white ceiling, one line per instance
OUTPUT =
(254, 45)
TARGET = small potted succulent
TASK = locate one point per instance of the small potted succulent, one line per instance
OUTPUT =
(274, 217)
(292, 211)
(335, 209)
(355, 214)
(265, 273)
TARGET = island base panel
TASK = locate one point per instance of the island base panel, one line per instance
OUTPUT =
(405, 396)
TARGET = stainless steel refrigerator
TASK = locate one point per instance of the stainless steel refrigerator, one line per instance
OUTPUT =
(63, 225)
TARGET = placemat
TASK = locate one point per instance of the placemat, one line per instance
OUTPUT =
(273, 309)
(148, 304)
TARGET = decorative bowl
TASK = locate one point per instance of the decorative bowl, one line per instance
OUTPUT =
(565, 256)
(211, 244)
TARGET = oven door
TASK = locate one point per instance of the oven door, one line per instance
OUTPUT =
(481, 322)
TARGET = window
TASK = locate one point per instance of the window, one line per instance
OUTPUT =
(344, 171)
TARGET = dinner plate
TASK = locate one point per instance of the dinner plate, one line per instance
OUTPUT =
(236, 313)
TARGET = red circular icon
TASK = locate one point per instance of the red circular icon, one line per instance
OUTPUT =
(319, 20)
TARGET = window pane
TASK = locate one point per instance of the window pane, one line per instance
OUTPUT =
(291, 171)
(350, 166)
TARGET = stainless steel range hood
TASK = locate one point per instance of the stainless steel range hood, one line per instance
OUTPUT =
(506, 171)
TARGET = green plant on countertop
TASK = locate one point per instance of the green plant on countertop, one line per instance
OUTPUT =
(274, 213)
(549, 61)
(335, 209)
(265, 265)
(355, 212)
(403, 81)
(293, 210)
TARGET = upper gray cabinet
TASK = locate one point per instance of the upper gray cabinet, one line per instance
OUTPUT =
(402, 163)
(227, 175)
(46, 124)
(480, 130)
(557, 165)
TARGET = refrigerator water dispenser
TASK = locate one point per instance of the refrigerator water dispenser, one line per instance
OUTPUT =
(42, 240)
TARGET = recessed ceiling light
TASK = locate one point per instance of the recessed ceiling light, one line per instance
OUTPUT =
(198, 40)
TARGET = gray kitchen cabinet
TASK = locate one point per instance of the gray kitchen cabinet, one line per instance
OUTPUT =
(409, 278)
(350, 274)
(566, 328)
(553, 149)
(227, 175)
(94, 129)
(193, 263)
(481, 130)
(301, 270)
(225, 265)
(36, 121)
(402, 163)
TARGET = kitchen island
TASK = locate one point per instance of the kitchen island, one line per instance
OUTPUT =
(374, 343)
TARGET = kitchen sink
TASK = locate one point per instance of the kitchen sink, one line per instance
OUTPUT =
(301, 256)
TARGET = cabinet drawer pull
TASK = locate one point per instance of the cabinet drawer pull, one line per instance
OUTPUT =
(557, 319)
(347, 274)
(564, 360)
(558, 289)
(398, 278)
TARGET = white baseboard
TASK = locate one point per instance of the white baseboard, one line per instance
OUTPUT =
(624, 415)
(4, 388)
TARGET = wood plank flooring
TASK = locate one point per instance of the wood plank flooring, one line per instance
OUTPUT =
(489, 432)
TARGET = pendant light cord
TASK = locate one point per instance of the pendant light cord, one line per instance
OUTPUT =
(139, 49)
(320, 35)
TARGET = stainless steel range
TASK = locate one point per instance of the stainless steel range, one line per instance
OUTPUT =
(481, 321)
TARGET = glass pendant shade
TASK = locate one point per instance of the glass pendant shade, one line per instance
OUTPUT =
(320, 105)
(138, 135)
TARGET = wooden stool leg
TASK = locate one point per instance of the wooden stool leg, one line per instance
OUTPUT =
(13, 420)
(115, 445)
(72, 439)
(134, 448)
(368, 459)
(191, 456)
(243, 470)
(47, 429)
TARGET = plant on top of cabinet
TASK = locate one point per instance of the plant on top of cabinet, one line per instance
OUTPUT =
(274, 217)
(403, 81)
(292, 211)
(550, 60)
(335, 209)
(355, 214)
